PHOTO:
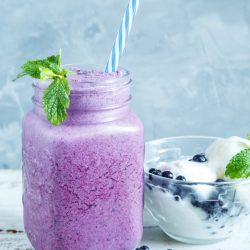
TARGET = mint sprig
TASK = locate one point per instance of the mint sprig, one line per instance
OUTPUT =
(56, 96)
(56, 100)
(239, 165)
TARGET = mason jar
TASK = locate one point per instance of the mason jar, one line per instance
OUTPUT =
(83, 179)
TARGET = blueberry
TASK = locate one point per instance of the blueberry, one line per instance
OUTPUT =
(180, 178)
(195, 202)
(220, 180)
(214, 208)
(224, 210)
(151, 170)
(208, 206)
(144, 248)
(199, 158)
(177, 198)
(168, 174)
(157, 172)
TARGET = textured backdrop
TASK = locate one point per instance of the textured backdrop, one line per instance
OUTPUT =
(190, 61)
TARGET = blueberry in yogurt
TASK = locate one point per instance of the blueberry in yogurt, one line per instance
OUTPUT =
(180, 178)
(199, 158)
(168, 174)
(154, 171)
(220, 180)
(151, 170)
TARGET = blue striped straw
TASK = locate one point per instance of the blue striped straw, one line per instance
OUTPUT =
(122, 36)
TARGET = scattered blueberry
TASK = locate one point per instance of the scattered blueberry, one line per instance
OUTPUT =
(168, 174)
(180, 178)
(199, 158)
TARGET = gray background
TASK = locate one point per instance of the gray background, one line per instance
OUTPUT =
(190, 61)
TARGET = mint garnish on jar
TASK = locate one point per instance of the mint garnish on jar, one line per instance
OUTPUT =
(56, 96)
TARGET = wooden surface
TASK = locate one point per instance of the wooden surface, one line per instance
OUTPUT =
(11, 219)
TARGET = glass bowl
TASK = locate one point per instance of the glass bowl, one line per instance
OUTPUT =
(192, 212)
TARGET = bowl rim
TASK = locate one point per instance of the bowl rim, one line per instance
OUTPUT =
(171, 138)
(178, 182)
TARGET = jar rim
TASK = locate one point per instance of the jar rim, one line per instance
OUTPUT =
(108, 81)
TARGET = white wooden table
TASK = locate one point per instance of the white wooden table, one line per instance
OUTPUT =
(11, 219)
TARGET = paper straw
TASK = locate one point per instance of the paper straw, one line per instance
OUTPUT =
(122, 36)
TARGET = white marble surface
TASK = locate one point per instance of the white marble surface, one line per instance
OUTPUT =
(11, 219)
(153, 237)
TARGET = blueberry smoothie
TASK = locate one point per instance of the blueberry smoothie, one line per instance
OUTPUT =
(83, 180)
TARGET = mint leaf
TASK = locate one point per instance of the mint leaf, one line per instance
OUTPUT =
(36, 67)
(20, 75)
(56, 101)
(46, 73)
(31, 68)
(239, 166)
(55, 59)
(248, 136)
(56, 96)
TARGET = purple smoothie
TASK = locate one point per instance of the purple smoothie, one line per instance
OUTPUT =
(83, 180)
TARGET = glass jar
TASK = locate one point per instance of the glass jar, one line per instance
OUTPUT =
(83, 180)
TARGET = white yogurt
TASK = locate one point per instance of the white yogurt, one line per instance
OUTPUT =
(221, 152)
(192, 171)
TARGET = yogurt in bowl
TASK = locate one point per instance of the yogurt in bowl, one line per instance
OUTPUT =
(186, 189)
